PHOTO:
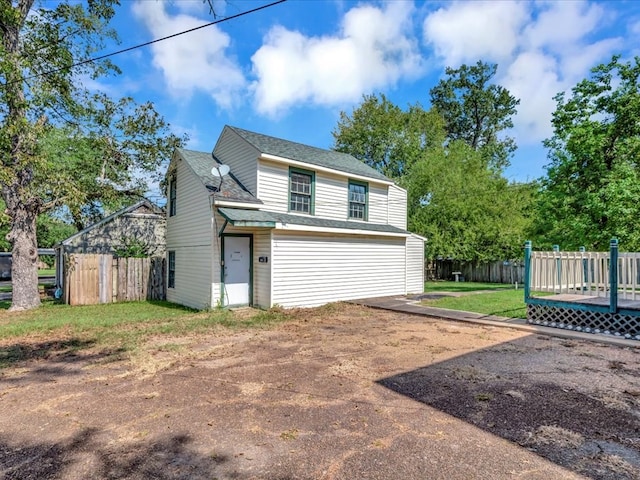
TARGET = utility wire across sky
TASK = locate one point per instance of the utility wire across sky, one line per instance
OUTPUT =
(128, 49)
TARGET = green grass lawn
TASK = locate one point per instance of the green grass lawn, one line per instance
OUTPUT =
(9, 288)
(505, 303)
(116, 327)
(432, 287)
(43, 272)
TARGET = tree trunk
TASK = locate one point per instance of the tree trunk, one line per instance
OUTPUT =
(22, 236)
(24, 267)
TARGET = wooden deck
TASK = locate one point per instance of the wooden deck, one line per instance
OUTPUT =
(590, 300)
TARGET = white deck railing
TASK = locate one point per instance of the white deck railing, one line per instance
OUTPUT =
(584, 273)
(629, 276)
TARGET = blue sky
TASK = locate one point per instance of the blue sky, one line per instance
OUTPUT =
(290, 69)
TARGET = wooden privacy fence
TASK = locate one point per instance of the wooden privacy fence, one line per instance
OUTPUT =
(492, 272)
(101, 278)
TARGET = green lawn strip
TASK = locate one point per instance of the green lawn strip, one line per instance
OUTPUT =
(77, 319)
(46, 272)
(9, 288)
(434, 287)
(506, 303)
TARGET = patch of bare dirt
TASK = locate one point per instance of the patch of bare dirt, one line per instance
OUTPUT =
(339, 392)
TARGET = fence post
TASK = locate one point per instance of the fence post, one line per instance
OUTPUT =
(556, 248)
(585, 269)
(527, 270)
(613, 275)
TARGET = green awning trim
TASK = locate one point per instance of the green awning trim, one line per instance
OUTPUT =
(247, 218)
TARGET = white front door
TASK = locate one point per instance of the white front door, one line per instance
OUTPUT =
(237, 270)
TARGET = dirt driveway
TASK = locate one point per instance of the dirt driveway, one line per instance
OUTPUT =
(343, 392)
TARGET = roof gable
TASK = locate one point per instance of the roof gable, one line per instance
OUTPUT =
(145, 206)
(305, 153)
(229, 188)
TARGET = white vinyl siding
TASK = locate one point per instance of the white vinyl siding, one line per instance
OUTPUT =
(377, 203)
(311, 270)
(273, 186)
(397, 207)
(331, 195)
(415, 264)
(242, 157)
(262, 271)
(189, 235)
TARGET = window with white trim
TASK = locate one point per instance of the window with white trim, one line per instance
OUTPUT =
(358, 193)
(172, 196)
(171, 270)
(301, 186)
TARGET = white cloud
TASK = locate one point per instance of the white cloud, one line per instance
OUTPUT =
(578, 61)
(374, 49)
(542, 48)
(192, 62)
(561, 24)
(533, 78)
(465, 32)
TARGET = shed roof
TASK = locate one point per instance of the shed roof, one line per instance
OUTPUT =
(229, 187)
(305, 153)
(131, 208)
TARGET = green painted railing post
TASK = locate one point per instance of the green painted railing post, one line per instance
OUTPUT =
(527, 270)
(556, 248)
(613, 275)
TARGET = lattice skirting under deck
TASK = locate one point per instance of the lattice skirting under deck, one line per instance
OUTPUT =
(625, 326)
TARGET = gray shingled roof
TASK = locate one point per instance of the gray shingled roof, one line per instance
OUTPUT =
(307, 154)
(131, 208)
(242, 215)
(230, 189)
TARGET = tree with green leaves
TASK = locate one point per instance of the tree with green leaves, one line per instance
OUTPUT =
(592, 189)
(45, 110)
(50, 227)
(385, 137)
(477, 111)
(465, 210)
(102, 186)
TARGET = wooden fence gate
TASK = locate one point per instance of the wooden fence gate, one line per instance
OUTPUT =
(98, 278)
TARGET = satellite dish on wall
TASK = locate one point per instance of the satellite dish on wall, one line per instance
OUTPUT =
(220, 170)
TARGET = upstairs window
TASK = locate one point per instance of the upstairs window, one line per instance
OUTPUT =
(171, 280)
(358, 193)
(301, 185)
(172, 196)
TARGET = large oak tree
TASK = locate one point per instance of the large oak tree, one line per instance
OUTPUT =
(42, 49)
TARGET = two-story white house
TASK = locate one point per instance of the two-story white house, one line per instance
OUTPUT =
(290, 225)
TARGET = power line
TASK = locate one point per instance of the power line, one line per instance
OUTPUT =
(128, 49)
